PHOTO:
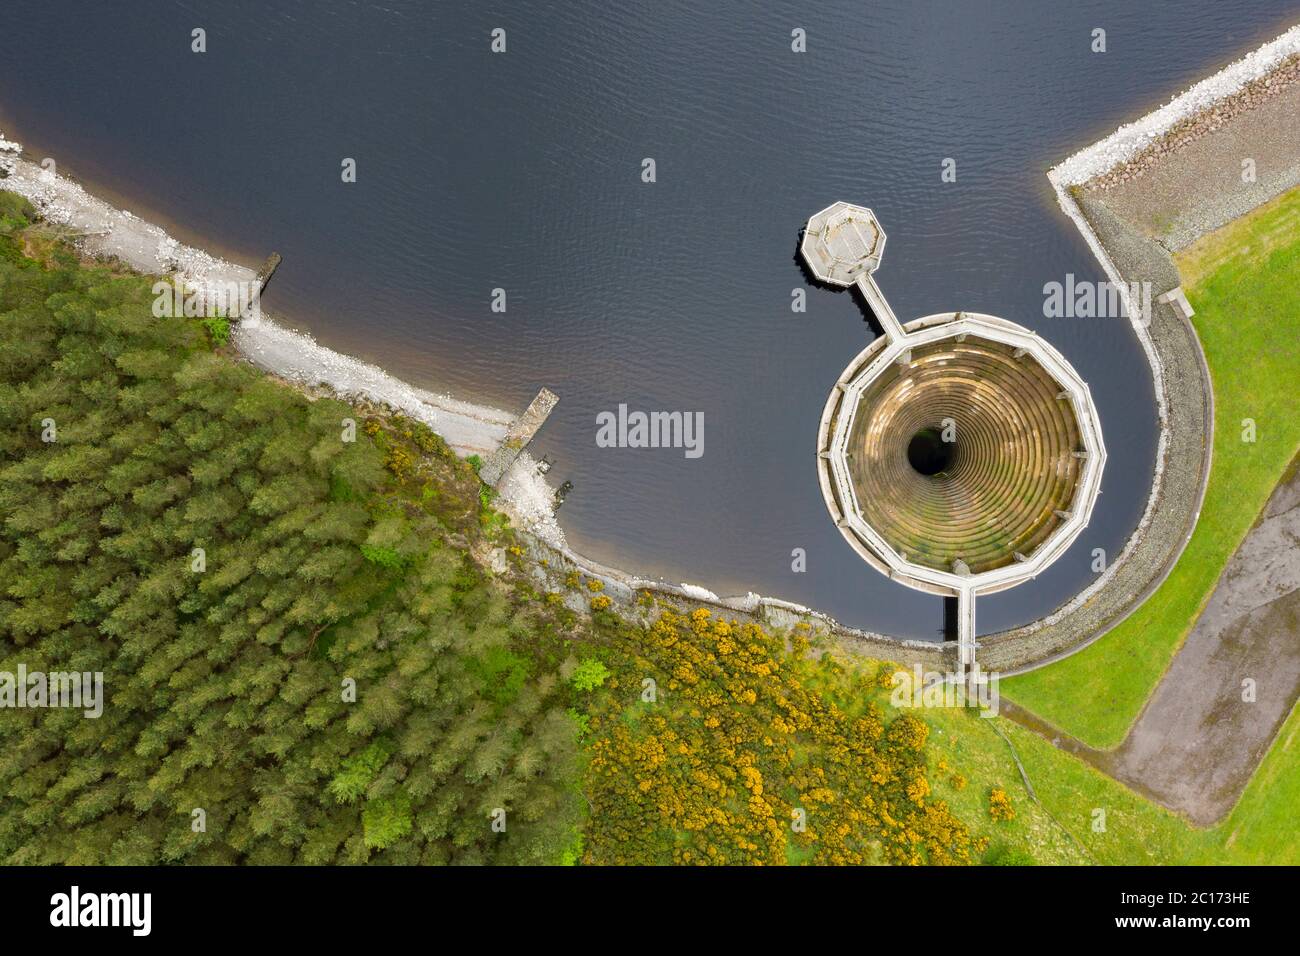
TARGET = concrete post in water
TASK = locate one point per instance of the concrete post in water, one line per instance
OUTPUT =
(268, 269)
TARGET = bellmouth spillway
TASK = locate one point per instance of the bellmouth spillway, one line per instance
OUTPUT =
(959, 454)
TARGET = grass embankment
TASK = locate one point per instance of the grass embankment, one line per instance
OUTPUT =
(1241, 280)
(680, 758)
(1261, 829)
(1079, 815)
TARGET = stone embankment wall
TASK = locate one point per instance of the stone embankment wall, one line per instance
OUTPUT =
(551, 564)
(1149, 188)
(1182, 467)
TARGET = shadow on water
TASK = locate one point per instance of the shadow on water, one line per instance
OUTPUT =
(950, 616)
(816, 285)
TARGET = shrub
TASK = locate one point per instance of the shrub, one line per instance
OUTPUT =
(742, 731)
(218, 330)
(1009, 856)
(384, 557)
(1000, 805)
(589, 674)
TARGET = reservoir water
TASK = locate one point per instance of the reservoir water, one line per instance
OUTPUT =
(522, 171)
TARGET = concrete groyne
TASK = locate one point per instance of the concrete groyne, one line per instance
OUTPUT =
(518, 435)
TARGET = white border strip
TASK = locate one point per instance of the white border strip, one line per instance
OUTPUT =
(1129, 140)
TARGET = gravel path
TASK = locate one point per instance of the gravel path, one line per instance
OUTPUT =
(1199, 186)
(1230, 688)
(1198, 742)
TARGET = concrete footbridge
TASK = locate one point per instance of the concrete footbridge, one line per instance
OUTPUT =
(959, 454)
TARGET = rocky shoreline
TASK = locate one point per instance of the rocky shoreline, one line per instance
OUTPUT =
(1178, 367)
(1251, 96)
(103, 231)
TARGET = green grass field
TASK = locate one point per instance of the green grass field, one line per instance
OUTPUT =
(1261, 829)
(1242, 281)
(1061, 827)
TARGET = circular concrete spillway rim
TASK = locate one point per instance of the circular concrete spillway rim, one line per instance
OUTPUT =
(837, 487)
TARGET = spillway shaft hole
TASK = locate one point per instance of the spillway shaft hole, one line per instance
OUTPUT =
(928, 453)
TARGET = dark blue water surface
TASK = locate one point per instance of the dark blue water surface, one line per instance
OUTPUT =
(522, 171)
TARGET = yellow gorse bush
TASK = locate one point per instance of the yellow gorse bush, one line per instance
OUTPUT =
(1000, 805)
(753, 752)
